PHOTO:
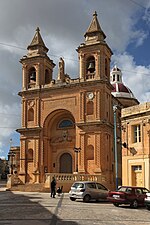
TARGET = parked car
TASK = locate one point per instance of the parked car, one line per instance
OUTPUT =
(87, 191)
(147, 200)
(133, 196)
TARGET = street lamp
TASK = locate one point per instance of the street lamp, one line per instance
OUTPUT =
(76, 150)
(115, 145)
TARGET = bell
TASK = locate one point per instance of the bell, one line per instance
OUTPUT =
(91, 67)
(33, 76)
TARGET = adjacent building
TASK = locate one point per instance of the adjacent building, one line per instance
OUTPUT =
(136, 134)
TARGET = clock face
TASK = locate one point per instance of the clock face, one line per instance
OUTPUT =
(91, 95)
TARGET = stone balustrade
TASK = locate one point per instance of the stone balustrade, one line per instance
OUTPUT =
(66, 180)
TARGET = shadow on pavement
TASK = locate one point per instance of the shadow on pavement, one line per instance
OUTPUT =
(18, 208)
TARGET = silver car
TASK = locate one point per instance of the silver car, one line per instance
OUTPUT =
(147, 200)
(88, 190)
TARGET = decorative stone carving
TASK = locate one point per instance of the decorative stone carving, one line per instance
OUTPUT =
(31, 104)
(64, 138)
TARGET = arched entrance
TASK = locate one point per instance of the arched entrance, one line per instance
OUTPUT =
(65, 163)
(59, 141)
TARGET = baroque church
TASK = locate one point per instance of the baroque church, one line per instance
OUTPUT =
(68, 124)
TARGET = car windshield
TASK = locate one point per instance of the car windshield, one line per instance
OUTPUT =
(144, 190)
(122, 189)
(78, 185)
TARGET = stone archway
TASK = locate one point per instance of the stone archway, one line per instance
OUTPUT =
(60, 133)
(65, 163)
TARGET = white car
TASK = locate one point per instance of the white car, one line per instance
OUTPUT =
(88, 190)
(147, 200)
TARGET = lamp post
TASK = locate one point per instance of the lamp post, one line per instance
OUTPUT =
(76, 150)
(115, 145)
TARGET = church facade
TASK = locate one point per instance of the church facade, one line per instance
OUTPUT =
(67, 124)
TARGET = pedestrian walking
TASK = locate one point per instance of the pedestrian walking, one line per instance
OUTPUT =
(53, 187)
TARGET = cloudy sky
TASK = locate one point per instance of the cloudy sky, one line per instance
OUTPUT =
(63, 23)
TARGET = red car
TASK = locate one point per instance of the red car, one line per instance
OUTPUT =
(133, 196)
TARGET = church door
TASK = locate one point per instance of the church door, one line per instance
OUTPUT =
(65, 163)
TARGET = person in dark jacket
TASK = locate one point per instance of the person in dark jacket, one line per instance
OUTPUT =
(53, 187)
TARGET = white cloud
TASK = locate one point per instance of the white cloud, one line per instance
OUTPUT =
(139, 37)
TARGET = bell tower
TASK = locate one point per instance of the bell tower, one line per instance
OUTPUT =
(95, 126)
(37, 67)
(94, 54)
(37, 75)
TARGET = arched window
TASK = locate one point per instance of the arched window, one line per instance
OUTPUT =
(47, 77)
(31, 114)
(90, 66)
(66, 123)
(32, 75)
(90, 108)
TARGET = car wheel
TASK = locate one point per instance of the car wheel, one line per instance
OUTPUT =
(72, 199)
(116, 204)
(87, 198)
(148, 207)
(134, 204)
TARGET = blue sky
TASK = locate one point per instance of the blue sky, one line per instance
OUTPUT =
(63, 23)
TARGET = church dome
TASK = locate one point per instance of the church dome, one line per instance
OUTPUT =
(119, 89)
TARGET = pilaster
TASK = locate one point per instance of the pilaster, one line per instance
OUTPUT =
(97, 152)
(22, 172)
(82, 103)
(97, 65)
(24, 113)
(38, 74)
(97, 105)
(24, 77)
(82, 67)
(81, 155)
